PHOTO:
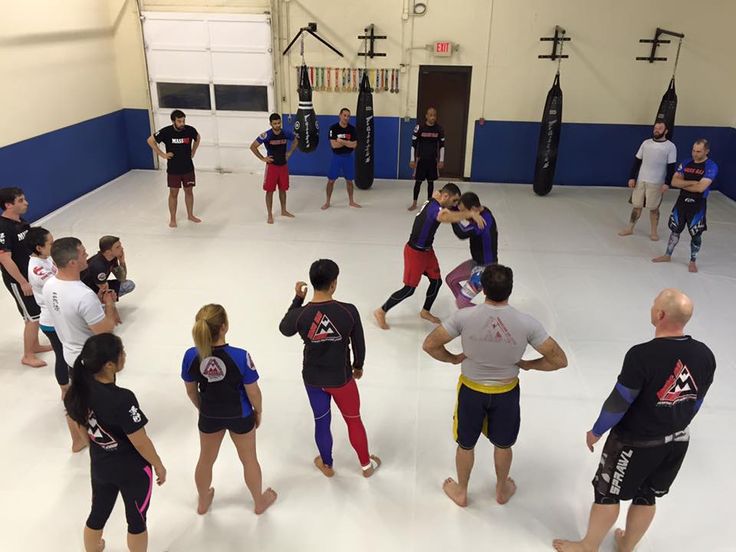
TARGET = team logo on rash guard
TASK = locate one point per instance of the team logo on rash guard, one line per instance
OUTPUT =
(101, 437)
(323, 329)
(213, 369)
(135, 414)
(680, 386)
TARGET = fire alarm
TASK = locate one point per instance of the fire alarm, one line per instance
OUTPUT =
(420, 8)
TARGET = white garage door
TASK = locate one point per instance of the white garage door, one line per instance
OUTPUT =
(218, 69)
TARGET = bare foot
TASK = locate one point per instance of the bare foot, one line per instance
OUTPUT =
(206, 502)
(43, 349)
(505, 491)
(654, 237)
(324, 468)
(429, 316)
(692, 267)
(325, 206)
(172, 224)
(455, 492)
(569, 546)
(618, 536)
(353, 204)
(375, 464)
(285, 213)
(380, 315)
(626, 232)
(267, 498)
(662, 259)
(194, 219)
(412, 206)
(269, 220)
(32, 361)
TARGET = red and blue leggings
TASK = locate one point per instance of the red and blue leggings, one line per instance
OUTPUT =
(348, 401)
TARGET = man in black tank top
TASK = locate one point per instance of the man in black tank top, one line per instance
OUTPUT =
(661, 387)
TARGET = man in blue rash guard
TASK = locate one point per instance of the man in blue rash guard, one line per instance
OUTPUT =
(660, 389)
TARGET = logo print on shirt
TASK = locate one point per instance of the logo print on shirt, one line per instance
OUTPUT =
(323, 329)
(213, 369)
(135, 414)
(100, 437)
(499, 333)
(680, 386)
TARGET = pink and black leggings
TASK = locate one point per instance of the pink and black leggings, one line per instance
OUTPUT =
(348, 401)
(133, 481)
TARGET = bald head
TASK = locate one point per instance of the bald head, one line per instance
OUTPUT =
(672, 308)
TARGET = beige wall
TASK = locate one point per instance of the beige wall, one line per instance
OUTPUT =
(130, 59)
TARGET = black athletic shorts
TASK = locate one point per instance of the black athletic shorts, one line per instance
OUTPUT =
(496, 415)
(27, 306)
(636, 470)
(234, 425)
(689, 212)
(426, 170)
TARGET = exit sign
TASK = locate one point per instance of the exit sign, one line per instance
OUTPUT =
(443, 48)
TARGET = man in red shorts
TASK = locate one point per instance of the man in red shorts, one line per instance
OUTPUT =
(277, 171)
(181, 141)
(419, 257)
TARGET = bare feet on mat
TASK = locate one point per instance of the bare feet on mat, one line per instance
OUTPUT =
(662, 259)
(654, 237)
(429, 316)
(205, 501)
(32, 361)
(569, 546)
(325, 206)
(353, 204)
(285, 213)
(192, 218)
(505, 491)
(618, 537)
(380, 315)
(172, 223)
(692, 267)
(626, 232)
(455, 492)
(269, 220)
(412, 206)
(375, 464)
(324, 468)
(267, 498)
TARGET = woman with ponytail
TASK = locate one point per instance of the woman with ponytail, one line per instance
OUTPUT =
(121, 453)
(222, 383)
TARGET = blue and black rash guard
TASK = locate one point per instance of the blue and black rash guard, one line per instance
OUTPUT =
(694, 172)
(425, 226)
(483, 242)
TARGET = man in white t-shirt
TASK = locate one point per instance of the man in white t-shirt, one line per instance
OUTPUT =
(494, 338)
(651, 174)
(76, 311)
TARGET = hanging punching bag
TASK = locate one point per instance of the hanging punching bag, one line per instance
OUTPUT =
(306, 126)
(549, 139)
(667, 109)
(366, 136)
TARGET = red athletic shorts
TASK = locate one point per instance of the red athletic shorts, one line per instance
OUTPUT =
(418, 263)
(276, 175)
(179, 180)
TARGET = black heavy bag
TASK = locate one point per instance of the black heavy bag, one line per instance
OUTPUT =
(366, 136)
(549, 139)
(306, 126)
(667, 109)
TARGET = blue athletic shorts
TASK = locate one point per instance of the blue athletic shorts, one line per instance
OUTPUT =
(342, 165)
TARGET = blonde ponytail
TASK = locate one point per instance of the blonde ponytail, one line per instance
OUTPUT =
(206, 330)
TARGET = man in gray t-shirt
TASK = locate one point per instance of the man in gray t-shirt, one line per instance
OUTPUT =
(494, 337)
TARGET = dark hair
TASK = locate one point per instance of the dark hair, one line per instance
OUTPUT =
(322, 273)
(9, 195)
(106, 242)
(704, 142)
(450, 189)
(344, 109)
(497, 281)
(65, 250)
(470, 200)
(98, 350)
(177, 114)
(35, 238)
(274, 117)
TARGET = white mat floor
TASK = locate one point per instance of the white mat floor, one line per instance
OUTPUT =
(590, 288)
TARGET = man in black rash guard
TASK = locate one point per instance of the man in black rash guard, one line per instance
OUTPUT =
(659, 391)
(428, 146)
(328, 329)
(419, 257)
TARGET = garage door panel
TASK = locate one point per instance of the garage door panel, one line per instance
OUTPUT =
(240, 67)
(169, 64)
(239, 159)
(241, 130)
(175, 34)
(239, 34)
(207, 157)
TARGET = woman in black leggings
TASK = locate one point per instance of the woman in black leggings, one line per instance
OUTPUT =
(121, 453)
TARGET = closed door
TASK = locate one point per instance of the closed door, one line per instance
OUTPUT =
(447, 88)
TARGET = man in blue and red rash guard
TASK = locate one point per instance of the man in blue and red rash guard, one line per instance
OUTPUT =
(483, 251)
(419, 257)
(694, 178)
